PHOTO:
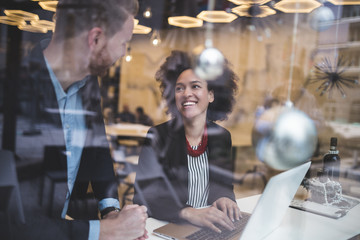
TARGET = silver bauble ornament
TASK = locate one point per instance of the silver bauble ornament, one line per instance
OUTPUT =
(321, 18)
(290, 142)
(209, 64)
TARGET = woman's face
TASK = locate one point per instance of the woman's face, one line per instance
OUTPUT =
(192, 96)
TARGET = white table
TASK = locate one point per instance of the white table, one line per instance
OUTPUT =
(296, 224)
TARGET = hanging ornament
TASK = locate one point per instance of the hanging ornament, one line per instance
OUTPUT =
(290, 141)
(209, 61)
(321, 18)
(285, 137)
(332, 76)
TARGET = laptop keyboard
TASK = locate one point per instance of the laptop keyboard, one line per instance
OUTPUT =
(206, 233)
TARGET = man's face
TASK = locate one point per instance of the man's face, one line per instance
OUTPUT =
(113, 49)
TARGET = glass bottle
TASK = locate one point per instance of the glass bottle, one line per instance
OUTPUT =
(331, 161)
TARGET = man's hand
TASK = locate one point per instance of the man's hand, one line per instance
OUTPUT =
(129, 223)
(112, 214)
(228, 207)
(207, 217)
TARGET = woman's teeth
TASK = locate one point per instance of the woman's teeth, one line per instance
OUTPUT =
(188, 104)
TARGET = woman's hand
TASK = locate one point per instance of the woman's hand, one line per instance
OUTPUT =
(207, 217)
(228, 207)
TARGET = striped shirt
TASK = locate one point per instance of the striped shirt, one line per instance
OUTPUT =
(198, 183)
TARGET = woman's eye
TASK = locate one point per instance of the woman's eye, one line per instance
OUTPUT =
(178, 89)
(196, 86)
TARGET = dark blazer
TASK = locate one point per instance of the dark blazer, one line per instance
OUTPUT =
(96, 166)
(164, 158)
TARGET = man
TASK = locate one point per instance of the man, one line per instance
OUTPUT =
(125, 116)
(142, 118)
(90, 35)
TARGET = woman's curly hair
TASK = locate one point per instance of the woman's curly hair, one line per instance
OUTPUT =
(224, 87)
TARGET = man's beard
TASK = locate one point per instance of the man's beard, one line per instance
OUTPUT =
(100, 63)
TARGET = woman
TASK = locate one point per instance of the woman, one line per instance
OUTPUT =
(185, 170)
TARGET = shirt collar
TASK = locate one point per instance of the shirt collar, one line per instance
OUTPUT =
(60, 93)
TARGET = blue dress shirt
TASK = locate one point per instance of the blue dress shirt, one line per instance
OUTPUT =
(73, 122)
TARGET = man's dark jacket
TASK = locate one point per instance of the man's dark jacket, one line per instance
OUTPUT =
(96, 166)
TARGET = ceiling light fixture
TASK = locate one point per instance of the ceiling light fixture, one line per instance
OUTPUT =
(49, 5)
(240, 2)
(217, 16)
(147, 13)
(30, 28)
(185, 21)
(43, 24)
(27, 16)
(12, 21)
(128, 56)
(253, 10)
(297, 6)
(140, 29)
(345, 2)
(155, 38)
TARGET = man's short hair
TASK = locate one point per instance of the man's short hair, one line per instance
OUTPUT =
(75, 16)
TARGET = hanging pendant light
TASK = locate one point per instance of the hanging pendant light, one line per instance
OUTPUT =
(155, 38)
(128, 56)
(297, 6)
(147, 13)
(185, 21)
(253, 10)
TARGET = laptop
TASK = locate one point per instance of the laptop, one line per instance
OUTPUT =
(266, 217)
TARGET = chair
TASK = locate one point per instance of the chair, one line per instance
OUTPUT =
(255, 172)
(10, 197)
(126, 167)
(5, 194)
(55, 169)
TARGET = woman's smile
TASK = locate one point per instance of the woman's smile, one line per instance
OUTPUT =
(192, 95)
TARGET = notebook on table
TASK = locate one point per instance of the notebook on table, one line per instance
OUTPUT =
(266, 217)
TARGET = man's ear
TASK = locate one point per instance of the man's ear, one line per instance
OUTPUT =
(95, 37)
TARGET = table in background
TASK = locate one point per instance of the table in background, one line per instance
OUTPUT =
(126, 140)
(127, 130)
(126, 134)
(296, 224)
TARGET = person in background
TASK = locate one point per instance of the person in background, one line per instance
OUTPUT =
(125, 116)
(142, 118)
(89, 37)
(193, 151)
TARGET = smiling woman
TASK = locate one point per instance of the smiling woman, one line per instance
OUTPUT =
(192, 96)
(190, 149)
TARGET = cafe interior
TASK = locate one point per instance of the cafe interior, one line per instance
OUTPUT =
(296, 56)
